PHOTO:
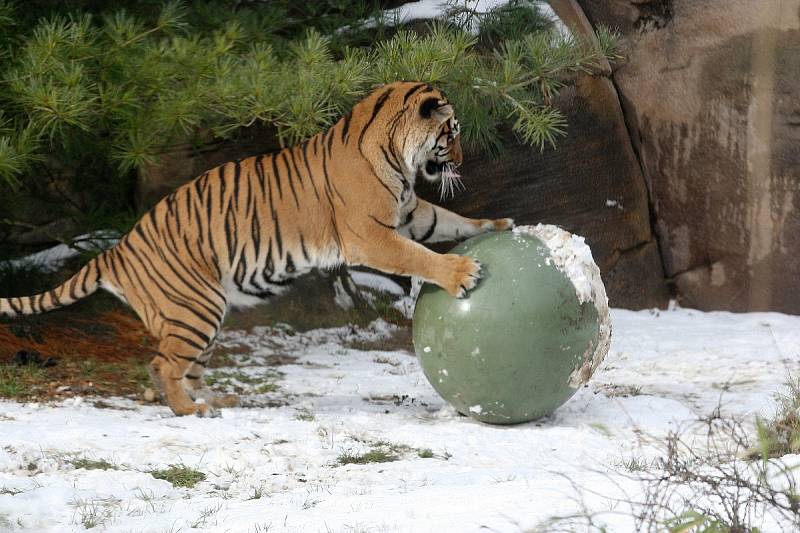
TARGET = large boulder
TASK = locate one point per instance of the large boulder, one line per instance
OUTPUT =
(590, 184)
(710, 91)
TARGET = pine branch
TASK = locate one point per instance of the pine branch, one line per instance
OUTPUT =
(125, 91)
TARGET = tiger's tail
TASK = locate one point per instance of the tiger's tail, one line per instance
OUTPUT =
(82, 284)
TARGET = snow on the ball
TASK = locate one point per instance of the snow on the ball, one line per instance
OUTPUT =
(572, 256)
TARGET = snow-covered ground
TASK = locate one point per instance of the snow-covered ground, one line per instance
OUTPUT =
(273, 465)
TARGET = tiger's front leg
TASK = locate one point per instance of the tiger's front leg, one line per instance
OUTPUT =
(426, 222)
(386, 250)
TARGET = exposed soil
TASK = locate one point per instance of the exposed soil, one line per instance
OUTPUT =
(94, 348)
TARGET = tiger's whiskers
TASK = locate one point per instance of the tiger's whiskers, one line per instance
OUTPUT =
(450, 182)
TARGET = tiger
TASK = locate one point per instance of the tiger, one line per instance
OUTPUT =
(241, 232)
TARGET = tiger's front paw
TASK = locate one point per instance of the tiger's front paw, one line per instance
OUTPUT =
(463, 274)
(502, 224)
(498, 224)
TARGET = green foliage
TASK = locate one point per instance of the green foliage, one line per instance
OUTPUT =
(780, 434)
(696, 522)
(93, 464)
(179, 475)
(102, 93)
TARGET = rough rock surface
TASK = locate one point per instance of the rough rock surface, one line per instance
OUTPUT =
(710, 92)
(590, 184)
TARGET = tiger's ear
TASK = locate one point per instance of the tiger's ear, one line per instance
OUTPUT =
(436, 109)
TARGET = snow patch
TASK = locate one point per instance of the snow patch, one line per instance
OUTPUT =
(572, 256)
(340, 296)
(481, 476)
(376, 282)
(52, 259)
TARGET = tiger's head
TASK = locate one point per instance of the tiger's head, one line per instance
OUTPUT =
(432, 147)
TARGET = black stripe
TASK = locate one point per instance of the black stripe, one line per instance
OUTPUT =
(111, 264)
(231, 234)
(255, 232)
(308, 168)
(278, 239)
(379, 103)
(410, 216)
(381, 223)
(290, 268)
(430, 230)
(188, 327)
(72, 284)
(289, 177)
(276, 176)
(412, 91)
(346, 127)
(329, 135)
(53, 296)
(241, 271)
(237, 173)
(260, 171)
(85, 273)
(296, 168)
(222, 185)
(188, 341)
(269, 266)
(394, 165)
(303, 249)
(179, 261)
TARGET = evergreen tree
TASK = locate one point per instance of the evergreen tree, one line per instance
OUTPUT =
(102, 93)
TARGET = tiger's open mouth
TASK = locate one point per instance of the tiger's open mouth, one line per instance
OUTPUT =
(448, 176)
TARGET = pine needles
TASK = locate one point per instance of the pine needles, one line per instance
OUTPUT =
(127, 88)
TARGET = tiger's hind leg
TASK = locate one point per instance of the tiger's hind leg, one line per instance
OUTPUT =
(197, 389)
(177, 354)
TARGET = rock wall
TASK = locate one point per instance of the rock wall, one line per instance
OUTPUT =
(711, 94)
(590, 184)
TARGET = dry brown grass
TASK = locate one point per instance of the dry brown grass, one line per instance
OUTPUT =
(101, 353)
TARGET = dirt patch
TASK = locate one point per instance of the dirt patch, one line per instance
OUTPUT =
(74, 351)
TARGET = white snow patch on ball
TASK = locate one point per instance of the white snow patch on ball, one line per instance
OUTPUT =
(572, 256)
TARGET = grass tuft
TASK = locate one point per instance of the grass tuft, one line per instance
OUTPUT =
(179, 475)
(91, 464)
(304, 415)
(383, 451)
(425, 453)
(376, 455)
(780, 435)
(19, 382)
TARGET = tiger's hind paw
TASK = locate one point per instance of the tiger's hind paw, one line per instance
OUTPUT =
(206, 411)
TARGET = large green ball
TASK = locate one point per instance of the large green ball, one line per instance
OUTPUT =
(527, 337)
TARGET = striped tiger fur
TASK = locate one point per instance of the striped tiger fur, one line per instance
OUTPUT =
(242, 231)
